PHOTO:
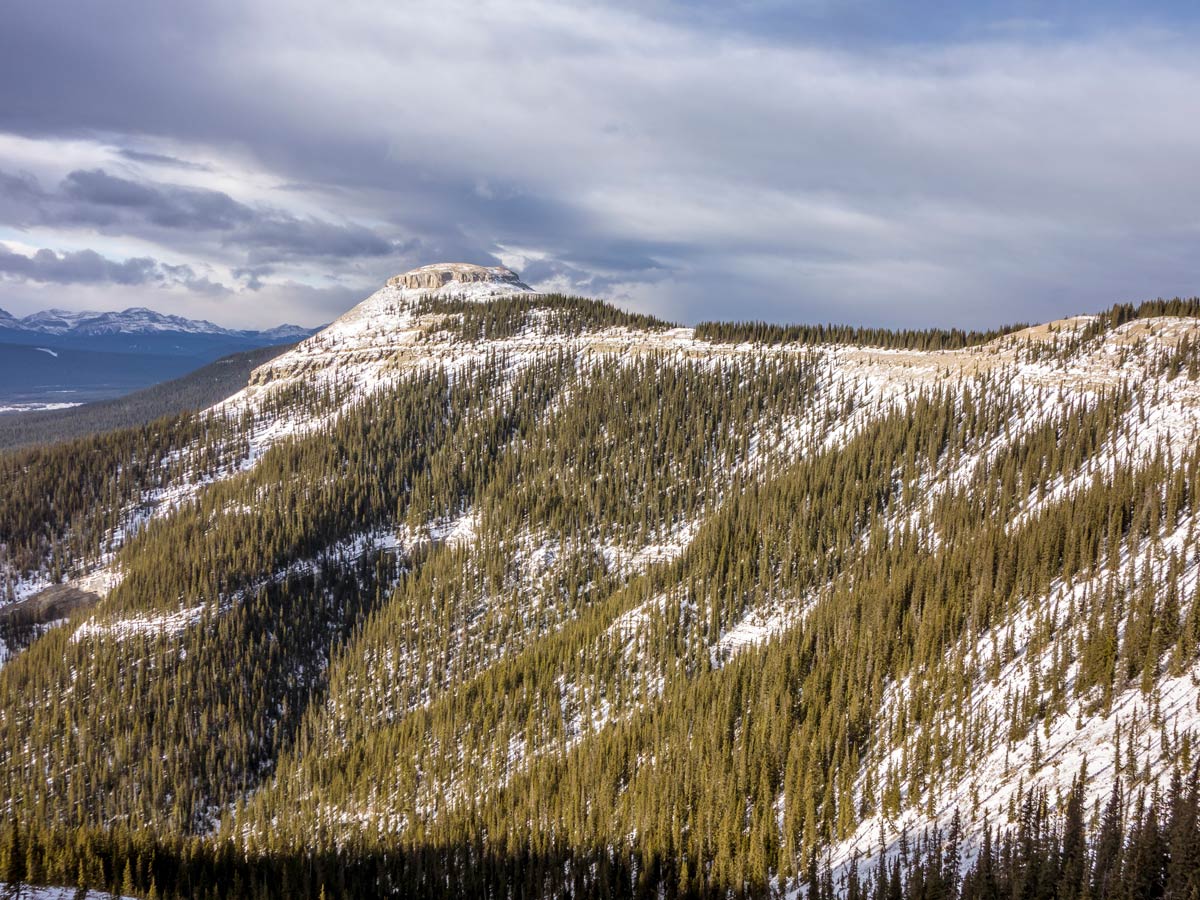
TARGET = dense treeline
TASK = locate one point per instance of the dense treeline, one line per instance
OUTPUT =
(1147, 846)
(61, 503)
(1121, 313)
(922, 338)
(139, 864)
(896, 338)
(510, 315)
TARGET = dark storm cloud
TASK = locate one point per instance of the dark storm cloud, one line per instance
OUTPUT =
(84, 266)
(121, 206)
(20, 196)
(102, 199)
(283, 237)
(89, 267)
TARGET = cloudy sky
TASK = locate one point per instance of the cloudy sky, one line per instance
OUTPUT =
(254, 161)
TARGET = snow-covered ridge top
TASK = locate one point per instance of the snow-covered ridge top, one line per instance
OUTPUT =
(386, 337)
(390, 308)
(357, 346)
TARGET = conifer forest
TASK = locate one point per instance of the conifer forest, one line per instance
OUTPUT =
(482, 592)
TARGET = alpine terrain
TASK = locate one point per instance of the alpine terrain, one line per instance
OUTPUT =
(485, 592)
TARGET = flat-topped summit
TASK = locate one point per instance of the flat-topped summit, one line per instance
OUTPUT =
(392, 317)
(439, 275)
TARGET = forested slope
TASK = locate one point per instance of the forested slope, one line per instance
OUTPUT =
(482, 591)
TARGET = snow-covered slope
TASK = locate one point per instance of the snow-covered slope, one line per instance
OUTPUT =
(31, 892)
(1143, 372)
(55, 321)
(384, 337)
(375, 343)
(139, 320)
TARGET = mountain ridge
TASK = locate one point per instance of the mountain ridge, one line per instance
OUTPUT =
(133, 320)
(452, 566)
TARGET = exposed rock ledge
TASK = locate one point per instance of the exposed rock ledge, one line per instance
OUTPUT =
(55, 602)
(441, 274)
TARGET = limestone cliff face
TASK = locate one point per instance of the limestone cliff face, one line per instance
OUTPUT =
(442, 274)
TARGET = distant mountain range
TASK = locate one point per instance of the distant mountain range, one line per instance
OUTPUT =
(58, 356)
(137, 320)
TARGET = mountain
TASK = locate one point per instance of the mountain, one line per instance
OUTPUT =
(485, 592)
(57, 357)
(135, 320)
(51, 321)
(285, 333)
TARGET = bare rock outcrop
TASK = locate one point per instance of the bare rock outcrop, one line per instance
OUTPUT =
(55, 602)
(442, 274)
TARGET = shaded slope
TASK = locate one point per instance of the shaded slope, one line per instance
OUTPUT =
(197, 390)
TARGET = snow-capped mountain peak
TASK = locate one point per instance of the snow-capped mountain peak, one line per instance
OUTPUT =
(389, 311)
(358, 346)
(286, 332)
(140, 320)
(55, 321)
(136, 320)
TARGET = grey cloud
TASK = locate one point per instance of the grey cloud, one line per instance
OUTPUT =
(252, 276)
(273, 238)
(186, 276)
(20, 196)
(695, 170)
(98, 188)
(83, 266)
(162, 159)
(122, 206)
(97, 194)
(89, 267)
(604, 274)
